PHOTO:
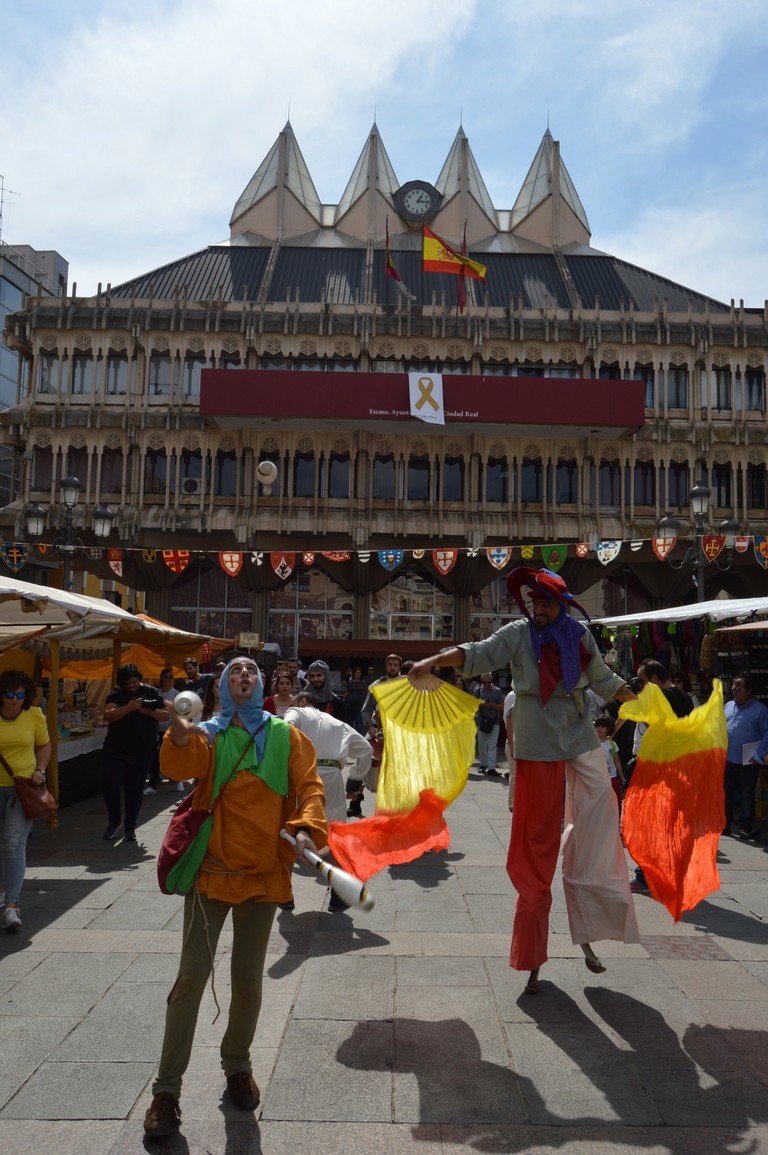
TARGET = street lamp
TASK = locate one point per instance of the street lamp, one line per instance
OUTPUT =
(68, 544)
(695, 556)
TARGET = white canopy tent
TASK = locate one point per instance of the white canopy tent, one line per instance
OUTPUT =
(717, 610)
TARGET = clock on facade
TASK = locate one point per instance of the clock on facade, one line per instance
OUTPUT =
(417, 201)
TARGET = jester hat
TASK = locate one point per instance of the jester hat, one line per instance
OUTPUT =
(542, 583)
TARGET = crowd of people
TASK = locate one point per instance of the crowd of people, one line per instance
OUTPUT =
(299, 748)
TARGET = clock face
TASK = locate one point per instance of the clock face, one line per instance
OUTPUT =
(418, 201)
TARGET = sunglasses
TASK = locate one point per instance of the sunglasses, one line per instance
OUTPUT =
(11, 694)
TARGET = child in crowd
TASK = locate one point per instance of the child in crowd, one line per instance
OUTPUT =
(604, 726)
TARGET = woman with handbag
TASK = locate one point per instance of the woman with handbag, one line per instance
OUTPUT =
(25, 749)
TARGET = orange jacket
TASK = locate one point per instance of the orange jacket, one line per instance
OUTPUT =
(246, 857)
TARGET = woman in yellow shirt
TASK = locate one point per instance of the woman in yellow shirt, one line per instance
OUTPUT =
(26, 747)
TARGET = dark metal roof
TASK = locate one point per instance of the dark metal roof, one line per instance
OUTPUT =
(334, 274)
(216, 270)
(613, 280)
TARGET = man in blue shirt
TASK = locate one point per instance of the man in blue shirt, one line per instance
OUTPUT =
(747, 722)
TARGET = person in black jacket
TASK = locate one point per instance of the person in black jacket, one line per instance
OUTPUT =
(132, 713)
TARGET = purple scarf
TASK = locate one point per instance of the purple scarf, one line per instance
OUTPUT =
(566, 633)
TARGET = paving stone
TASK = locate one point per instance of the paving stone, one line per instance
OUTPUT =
(31, 1137)
(27, 1042)
(350, 988)
(104, 1090)
(70, 985)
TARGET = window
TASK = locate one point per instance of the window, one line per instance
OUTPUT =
(304, 475)
(754, 391)
(756, 487)
(645, 483)
(645, 373)
(82, 373)
(721, 484)
(338, 475)
(190, 465)
(677, 388)
(453, 479)
(111, 470)
(155, 471)
(411, 607)
(383, 477)
(205, 600)
(225, 474)
(567, 483)
(497, 480)
(678, 483)
(309, 607)
(489, 609)
(42, 468)
(531, 479)
(610, 485)
(160, 375)
(721, 389)
(48, 363)
(194, 363)
(117, 374)
(418, 478)
(610, 372)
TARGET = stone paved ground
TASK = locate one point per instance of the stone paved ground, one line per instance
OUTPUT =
(400, 1031)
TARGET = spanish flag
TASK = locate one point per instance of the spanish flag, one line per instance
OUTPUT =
(429, 745)
(675, 806)
(439, 257)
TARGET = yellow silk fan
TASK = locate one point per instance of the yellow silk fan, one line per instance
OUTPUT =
(429, 741)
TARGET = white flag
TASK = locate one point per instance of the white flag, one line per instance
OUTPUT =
(426, 393)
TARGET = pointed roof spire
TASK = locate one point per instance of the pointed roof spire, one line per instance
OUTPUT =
(372, 160)
(538, 185)
(461, 171)
(283, 165)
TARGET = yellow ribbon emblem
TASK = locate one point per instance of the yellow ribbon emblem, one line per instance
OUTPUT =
(425, 389)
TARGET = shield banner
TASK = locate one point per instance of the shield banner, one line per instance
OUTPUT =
(337, 555)
(418, 553)
(150, 556)
(390, 558)
(663, 546)
(94, 553)
(635, 546)
(444, 559)
(526, 551)
(741, 544)
(231, 563)
(308, 558)
(364, 556)
(712, 544)
(498, 557)
(283, 564)
(177, 560)
(115, 560)
(761, 550)
(554, 556)
(15, 555)
(582, 549)
(607, 551)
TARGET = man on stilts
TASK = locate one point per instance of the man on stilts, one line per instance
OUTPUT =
(553, 660)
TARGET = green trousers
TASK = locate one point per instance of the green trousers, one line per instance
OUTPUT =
(251, 924)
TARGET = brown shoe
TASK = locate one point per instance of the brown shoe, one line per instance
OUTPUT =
(163, 1115)
(243, 1090)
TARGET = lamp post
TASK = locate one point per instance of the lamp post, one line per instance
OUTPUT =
(695, 556)
(68, 544)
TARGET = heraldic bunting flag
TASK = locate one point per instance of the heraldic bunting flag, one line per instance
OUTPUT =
(673, 810)
(429, 745)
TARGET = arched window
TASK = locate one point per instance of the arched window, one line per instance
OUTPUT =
(677, 482)
(304, 474)
(225, 474)
(383, 477)
(754, 391)
(82, 373)
(567, 482)
(194, 363)
(721, 484)
(190, 465)
(155, 471)
(610, 484)
(721, 389)
(42, 468)
(645, 374)
(677, 387)
(418, 477)
(338, 475)
(453, 479)
(497, 480)
(117, 374)
(531, 479)
(756, 487)
(47, 369)
(645, 483)
(111, 470)
(159, 375)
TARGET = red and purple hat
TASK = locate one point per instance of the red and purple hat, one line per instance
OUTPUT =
(542, 583)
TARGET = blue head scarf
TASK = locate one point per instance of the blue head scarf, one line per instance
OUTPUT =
(251, 713)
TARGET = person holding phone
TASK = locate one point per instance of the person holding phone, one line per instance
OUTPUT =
(133, 713)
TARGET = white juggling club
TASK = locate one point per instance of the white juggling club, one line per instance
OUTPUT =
(349, 889)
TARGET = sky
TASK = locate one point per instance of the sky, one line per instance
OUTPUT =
(129, 128)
